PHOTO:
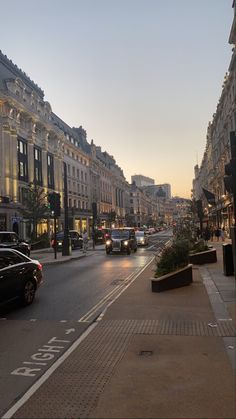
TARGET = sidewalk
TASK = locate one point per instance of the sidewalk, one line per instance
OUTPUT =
(152, 355)
(47, 256)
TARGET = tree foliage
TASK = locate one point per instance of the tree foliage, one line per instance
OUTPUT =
(35, 208)
(173, 257)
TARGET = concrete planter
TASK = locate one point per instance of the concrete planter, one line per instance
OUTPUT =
(174, 279)
(209, 256)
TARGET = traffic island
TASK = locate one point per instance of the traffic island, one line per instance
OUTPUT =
(176, 279)
(208, 256)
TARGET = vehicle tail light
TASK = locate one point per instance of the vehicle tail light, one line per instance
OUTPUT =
(40, 266)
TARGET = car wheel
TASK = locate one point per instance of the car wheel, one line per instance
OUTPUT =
(28, 292)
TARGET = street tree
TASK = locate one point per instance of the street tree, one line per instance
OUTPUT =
(35, 207)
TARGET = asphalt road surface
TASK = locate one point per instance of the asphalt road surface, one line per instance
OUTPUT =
(72, 296)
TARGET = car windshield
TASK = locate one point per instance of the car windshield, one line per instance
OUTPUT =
(120, 234)
(139, 233)
(60, 235)
(7, 237)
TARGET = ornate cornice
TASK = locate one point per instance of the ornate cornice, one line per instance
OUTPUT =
(19, 73)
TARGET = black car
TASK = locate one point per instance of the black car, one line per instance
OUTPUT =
(101, 235)
(20, 276)
(9, 239)
(121, 240)
(76, 240)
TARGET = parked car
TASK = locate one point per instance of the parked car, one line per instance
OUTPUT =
(20, 276)
(76, 240)
(9, 239)
(101, 235)
(142, 238)
(121, 240)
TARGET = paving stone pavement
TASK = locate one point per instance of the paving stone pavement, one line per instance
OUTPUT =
(152, 355)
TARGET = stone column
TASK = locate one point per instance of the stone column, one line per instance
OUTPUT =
(45, 161)
(13, 166)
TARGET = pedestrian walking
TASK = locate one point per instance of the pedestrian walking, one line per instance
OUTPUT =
(217, 233)
(85, 241)
(206, 234)
(212, 233)
(222, 234)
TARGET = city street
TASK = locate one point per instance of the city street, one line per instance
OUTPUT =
(72, 296)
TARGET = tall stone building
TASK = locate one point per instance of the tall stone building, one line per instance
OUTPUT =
(34, 146)
(30, 145)
(218, 209)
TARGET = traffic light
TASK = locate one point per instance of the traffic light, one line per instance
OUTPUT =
(54, 200)
(57, 210)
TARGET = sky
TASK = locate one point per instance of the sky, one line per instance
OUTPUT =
(143, 77)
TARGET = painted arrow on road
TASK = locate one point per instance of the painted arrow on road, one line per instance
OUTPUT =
(68, 331)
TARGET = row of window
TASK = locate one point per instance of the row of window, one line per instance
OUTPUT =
(73, 203)
(75, 156)
(23, 164)
(80, 175)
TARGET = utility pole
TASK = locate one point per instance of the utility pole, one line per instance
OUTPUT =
(66, 245)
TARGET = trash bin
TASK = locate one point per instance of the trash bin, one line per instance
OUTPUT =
(228, 263)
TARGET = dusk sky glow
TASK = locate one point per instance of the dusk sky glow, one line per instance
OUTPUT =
(143, 77)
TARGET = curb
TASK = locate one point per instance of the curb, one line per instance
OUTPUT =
(56, 261)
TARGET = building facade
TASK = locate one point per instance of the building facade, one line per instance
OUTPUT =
(141, 180)
(210, 175)
(30, 145)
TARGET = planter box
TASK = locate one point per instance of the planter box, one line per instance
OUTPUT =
(209, 256)
(172, 280)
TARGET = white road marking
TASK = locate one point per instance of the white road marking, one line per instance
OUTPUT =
(107, 297)
(68, 331)
(133, 279)
(47, 374)
(69, 351)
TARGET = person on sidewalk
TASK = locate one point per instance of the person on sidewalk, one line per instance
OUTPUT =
(217, 233)
(206, 234)
(222, 234)
(212, 233)
(85, 241)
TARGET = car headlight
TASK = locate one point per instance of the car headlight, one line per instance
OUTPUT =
(126, 243)
(108, 242)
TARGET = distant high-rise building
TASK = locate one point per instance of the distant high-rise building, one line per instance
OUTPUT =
(161, 191)
(141, 180)
(166, 188)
